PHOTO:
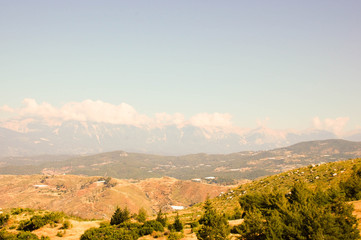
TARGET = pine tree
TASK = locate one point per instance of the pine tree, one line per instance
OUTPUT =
(162, 218)
(177, 225)
(120, 216)
(142, 215)
(352, 186)
(214, 226)
(253, 227)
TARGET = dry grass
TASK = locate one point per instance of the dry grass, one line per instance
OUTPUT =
(77, 229)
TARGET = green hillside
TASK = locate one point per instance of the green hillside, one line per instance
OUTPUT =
(321, 176)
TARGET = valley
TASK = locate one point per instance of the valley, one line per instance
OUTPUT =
(218, 168)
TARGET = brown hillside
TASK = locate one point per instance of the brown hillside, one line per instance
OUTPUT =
(91, 197)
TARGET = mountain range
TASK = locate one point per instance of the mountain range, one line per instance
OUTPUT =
(75, 137)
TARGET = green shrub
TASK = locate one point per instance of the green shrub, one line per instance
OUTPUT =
(26, 236)
(17, 211)
(53, 225)
(4, 218)
(55, 217)
(175, 236)
(12, 227)
(133, 227)
(237, 214)
(66, 225)
(37, 221)
(108, 233)
(157, 226)
(61, 233)
(146, 231)
(194, 224)
(4, 235)
(302, 214)
(352, 186)
(34, 223)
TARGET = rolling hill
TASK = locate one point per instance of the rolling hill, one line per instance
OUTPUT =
(97, 197)
(224, 167)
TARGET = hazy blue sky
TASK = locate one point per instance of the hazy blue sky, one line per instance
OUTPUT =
(286, 61)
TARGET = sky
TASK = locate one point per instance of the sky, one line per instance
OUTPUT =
(280, 64)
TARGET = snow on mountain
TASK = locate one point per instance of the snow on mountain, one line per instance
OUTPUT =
(76, 137)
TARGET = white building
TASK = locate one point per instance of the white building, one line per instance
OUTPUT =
(196, 180)
(177, 207)
(209, 178)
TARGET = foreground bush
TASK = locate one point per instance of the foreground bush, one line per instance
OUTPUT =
(121, 228)
(108, 233)
(38, 221)
(34, 223)
(352, 186)
(4, 218)
(155, 225)
(302, 214)
(4, 235)
(175, 236)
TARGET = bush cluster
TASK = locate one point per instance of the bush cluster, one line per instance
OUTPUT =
(300, 214)
(4, 235)
(121, 228)
(38, 221)
(4, 218)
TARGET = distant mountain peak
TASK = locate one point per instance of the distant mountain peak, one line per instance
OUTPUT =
(21, 137)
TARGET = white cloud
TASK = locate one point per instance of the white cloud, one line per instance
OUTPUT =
(6, 108)
(263, 122)
(98, 111)
(333, 125)
(88, 110)
(162, 119)
(211, 120)
(214, 121)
